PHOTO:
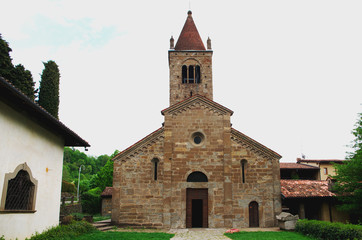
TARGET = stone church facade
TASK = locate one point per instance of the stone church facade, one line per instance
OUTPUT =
(196, 170)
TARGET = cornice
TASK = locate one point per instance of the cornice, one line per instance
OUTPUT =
(140, 146)
(195, 101)
(253, 145)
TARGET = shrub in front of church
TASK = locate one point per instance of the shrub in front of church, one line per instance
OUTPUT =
(63, 232)
(91, 201)
(328, 231)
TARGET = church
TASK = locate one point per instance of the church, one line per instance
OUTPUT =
(196, 171)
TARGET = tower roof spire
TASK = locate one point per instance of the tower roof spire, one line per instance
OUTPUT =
(189, 38)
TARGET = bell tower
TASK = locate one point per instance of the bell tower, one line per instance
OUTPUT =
(190, 64)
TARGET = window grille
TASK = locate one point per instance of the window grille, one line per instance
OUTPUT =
(20, 193)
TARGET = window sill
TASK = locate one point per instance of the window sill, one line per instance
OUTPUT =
(16, 211)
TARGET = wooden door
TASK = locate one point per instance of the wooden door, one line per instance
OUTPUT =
(253, 214)
(196, 208)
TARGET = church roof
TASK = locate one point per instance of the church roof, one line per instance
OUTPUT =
(13, 97)
(137, 147)
(254, 145)
(189, 38)
(197, 99)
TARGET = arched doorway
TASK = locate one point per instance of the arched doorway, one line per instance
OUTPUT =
(197, 202)
(253, 214)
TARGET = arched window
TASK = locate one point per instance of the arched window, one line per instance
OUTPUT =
(197, 74)
(197, 177)
(191, 74)
(243, 168)
(19, 192)
(184, 74)
(155, 162)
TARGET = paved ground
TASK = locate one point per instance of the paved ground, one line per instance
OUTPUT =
(209, 233)
(199, 233)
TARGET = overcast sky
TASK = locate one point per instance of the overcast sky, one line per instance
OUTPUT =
(290, 70)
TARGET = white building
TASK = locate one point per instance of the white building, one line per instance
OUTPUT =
(31, 157)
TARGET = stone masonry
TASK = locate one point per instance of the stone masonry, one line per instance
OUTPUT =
(152, 177)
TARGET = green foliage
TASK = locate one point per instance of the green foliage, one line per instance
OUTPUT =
(125, 235)
(49, 88)
(17, 75)
(349, 178)
(104, 178)
(68, 187)
(328, 231)
(91, 201)
(23, 80)
(6, 66)
(65, 232)
(267, 236)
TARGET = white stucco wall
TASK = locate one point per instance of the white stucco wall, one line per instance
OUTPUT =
(22, 140)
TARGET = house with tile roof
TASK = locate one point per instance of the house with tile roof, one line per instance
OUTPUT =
(196, 170)
(31, 147)
(326, 166)
(305, 194)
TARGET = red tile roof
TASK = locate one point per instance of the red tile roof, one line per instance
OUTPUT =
(189, 38)
(296, 166)
(320, 160)
(305, 189)
(107, 192)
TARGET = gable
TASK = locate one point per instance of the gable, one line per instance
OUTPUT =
(141, 146)
(253, 145)
(197, 101)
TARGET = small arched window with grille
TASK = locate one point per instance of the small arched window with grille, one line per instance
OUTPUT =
(191, 74)
(155, 163)
(19, 192)
(197, 177)
(243, 170)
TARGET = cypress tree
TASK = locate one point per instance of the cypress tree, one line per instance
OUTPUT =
(6, 66)
(49, 88)
(23, 80)
(18, 75)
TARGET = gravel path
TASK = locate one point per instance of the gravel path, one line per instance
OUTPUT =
(199, 233)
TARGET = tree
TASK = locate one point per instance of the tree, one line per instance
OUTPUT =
(6, 66)
(49, 88)
(23, 80)
(349, 176)
(18, 75)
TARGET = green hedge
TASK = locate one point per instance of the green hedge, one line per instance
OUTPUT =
(329, 231)
(91, 203)
(65, 232)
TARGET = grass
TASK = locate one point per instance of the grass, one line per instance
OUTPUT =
(267, 236)
(96, 217)
(124, 235)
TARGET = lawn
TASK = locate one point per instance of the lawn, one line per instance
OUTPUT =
(267, 236)
(124, 235)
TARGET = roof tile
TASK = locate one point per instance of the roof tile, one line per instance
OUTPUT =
(189, 38)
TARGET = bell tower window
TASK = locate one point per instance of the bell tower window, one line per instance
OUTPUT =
(191, 74)
(184, 74)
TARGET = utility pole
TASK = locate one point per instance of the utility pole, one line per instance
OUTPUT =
(80, 168)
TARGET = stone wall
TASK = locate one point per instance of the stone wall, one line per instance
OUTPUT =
(106, 206)
(137, 198)
(179, 91)
(185, 157)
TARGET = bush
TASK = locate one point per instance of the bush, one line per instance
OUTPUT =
(329, 231)
(65, 232)
(91, 202)
(68, 187)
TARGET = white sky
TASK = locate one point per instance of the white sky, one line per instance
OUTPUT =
(290, 70)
